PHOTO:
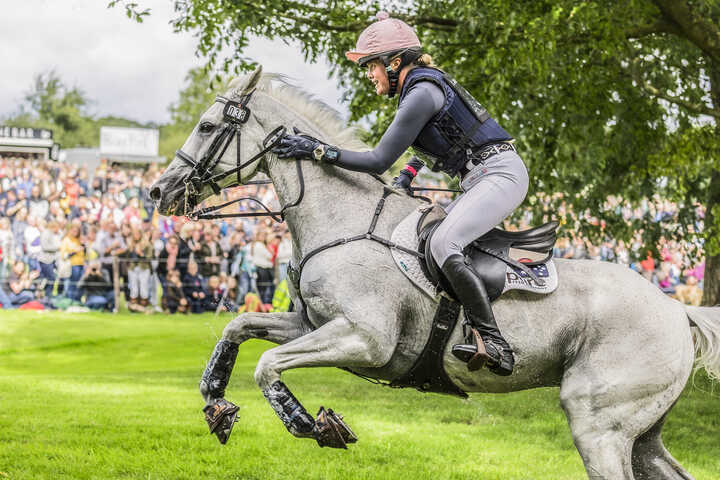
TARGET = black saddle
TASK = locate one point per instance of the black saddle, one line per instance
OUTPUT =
(490, 254)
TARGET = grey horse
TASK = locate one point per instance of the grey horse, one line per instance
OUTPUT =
(619, 349)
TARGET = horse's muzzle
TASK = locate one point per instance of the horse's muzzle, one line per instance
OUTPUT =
(168, 201)
(155, 194)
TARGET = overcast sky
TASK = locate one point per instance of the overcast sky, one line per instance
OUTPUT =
(134, 70)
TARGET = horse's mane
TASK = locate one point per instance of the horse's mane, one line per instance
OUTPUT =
(326, 118)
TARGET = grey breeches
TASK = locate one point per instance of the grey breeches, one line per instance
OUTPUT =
(491, 192)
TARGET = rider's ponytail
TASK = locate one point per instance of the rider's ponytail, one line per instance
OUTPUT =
(425, 60)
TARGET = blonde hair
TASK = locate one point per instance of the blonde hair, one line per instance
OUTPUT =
(425, 60)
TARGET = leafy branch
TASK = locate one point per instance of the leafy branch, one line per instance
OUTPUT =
(692, 107)
(697, 28)
(132, 9)
(659, 26)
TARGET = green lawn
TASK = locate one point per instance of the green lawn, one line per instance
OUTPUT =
(115, 396)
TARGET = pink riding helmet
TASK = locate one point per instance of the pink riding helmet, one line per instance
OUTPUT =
(385, 35)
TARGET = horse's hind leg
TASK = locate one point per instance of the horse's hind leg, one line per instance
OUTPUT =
(274, 327)
(652, 461)
(608, 409)
(605, 451)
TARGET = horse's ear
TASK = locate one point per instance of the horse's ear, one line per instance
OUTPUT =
(254, 78)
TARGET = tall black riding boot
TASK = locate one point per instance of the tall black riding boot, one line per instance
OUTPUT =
(493, 349)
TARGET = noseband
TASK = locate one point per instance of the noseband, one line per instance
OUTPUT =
(235, 114)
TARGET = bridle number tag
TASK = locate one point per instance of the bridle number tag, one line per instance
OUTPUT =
(236, 113)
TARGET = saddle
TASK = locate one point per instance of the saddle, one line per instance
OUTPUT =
(504, 260)
(525, 252)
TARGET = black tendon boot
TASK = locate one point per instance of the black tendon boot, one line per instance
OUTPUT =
(293, 415)
(492, 347)
(220, 414)
(217, 372)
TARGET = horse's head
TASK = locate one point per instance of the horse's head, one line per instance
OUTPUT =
(209, 160)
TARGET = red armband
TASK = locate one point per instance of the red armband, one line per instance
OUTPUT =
(410, 169)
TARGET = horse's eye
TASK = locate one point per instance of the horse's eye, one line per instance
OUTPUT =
(206, 127)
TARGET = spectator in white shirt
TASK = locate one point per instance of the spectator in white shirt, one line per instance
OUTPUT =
(50, 239)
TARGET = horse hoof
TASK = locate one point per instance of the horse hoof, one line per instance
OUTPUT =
(220, 416)
(331, 431)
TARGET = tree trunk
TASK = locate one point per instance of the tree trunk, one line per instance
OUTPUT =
(711, 292)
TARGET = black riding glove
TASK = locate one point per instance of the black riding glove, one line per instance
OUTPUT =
(304, 146)
(403, 180)
(407, 174)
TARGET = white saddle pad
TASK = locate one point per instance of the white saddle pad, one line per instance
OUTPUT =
(405, 235)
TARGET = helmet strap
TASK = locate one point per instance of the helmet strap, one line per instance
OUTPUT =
(406, 56)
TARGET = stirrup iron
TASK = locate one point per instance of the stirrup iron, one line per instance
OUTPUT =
(475, 356)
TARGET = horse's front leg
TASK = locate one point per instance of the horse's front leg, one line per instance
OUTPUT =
(338, 343)
(275, 327)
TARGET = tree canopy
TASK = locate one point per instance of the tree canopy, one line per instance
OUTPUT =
(51, 104)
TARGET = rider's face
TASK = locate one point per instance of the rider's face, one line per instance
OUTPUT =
(378, 76)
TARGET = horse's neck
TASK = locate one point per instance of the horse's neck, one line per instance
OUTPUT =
(335, 204)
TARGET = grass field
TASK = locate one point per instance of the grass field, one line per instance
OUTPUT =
(100, 396)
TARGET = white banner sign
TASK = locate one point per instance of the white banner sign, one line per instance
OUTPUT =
(25, 132)
(129, 141)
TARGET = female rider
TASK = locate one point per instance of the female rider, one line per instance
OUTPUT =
(442, 122)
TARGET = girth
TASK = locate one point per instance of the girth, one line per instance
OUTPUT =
(428, 373)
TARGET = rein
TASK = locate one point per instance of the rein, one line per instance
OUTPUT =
(278, 216)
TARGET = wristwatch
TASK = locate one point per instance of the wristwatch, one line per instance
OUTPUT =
(326, 153)
(331, 154)
(319, 152)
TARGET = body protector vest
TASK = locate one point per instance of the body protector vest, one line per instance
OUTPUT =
(460, 127)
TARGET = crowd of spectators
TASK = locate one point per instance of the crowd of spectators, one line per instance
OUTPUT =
(69, 239)
(673, 269)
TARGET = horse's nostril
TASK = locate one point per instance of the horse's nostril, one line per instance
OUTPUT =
(155, 194)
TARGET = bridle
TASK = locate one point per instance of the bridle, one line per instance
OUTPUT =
(235, 115)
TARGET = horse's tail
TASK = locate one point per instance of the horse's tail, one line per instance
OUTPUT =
(706, 331)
